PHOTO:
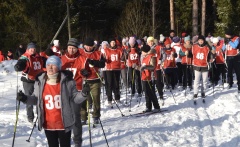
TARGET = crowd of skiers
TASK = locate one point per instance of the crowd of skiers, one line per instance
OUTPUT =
(141, 64)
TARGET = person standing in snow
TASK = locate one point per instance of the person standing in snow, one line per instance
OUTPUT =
(31, 64)
(231, 49)
(202, 55)
(169, 64)
(114, 57)
(177, 46)
(55, 94)
(148, 64)
(219, 61)
(133, 60)
(94, 60)
(186, 54)
(71, 61)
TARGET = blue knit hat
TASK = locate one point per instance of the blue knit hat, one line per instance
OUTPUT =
(176, 39)
(187, 38)
(55, 60)
(31, 45)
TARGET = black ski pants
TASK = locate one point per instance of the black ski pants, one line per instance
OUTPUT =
(113, 79)
(150, 96)
(57, 137)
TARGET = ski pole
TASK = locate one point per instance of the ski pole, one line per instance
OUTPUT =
(132, 89)
(34, 125)
(164, 75)
(98, 119)
(89, 127)
(15, 126)
(127, 85)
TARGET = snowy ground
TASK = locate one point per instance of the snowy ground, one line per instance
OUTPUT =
(216, 123)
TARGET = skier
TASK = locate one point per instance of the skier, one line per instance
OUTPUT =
(169, 64)
(31, 64)
(148, 64)
(55, 94)
(114, 57)
(133, 60)
(220, 68)
(72, 61)
(202, 55)
(186, 53)
(231, 49)
(93, 61)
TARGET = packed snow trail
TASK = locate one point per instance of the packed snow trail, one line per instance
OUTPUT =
(215, 123)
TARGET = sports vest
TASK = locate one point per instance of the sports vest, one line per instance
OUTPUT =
(52, 107)
(200, 55)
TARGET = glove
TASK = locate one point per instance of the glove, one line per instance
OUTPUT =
(86, 89)
(20, 66)
(186, 53)
(91, 62)
(21, 97)
(84, 72)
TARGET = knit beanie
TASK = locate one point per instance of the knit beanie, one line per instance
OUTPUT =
(167, 41)
(194, 39)
(124, 40)
(187, 38)
(73, 42)
(145, 48)
(139, 41)
(150, 38)
(89, 42)
(31, 45)
(132, 40)
(176, 39)
(55, 60)
(201, 37)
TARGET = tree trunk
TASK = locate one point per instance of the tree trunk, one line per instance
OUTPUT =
(153, 18)
(203, 17)
(172, 14)
(195, 18)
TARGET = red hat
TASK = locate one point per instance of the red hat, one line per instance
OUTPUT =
(184, 34)
(167, 41)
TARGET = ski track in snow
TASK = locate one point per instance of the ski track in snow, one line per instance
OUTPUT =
(215, 123)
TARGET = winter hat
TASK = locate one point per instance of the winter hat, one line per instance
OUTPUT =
(229, 31)
(215, 40)
(139, 41)
(56, 42)
(89, 42)
(194, 39)
(176, 39)
(55, 60)
(184, 34)
(132, 40)
(161, 38)
(150, 38)
(111, 39)
(187, 38)
(145, 48)
(31, 45)
(167, 41)
(73, 42)
(201, 37)
(145, 37)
